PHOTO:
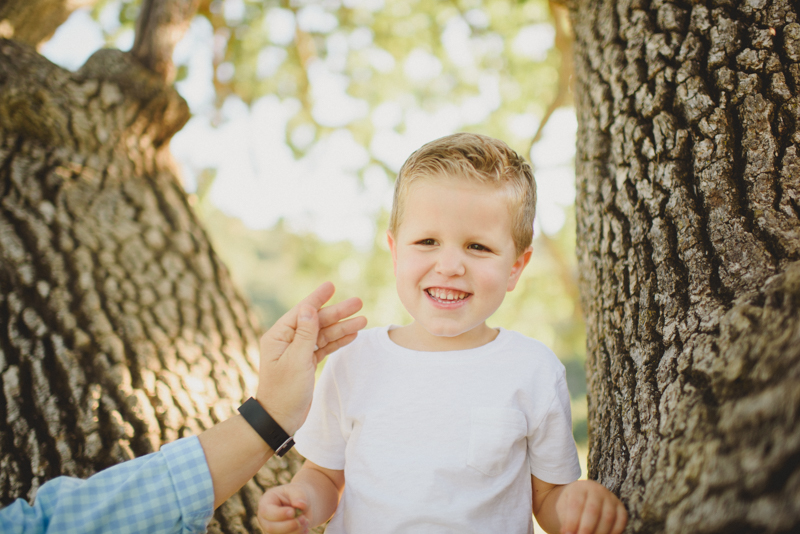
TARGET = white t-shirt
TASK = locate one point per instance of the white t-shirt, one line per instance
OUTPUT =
(440, 442)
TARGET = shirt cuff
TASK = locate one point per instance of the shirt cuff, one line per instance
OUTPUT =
(191, 478)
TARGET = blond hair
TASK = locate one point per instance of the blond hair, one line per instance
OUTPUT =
(479, 158)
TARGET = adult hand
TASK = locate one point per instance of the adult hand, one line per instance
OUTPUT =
(235, 452)
(292, 348)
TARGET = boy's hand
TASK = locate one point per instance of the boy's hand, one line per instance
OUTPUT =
(283, 509)
(586, 507)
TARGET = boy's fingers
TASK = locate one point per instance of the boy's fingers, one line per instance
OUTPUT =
(336, 312)
(277, 511)
(272, 498)
(608, 517)
(622, 519)
(291, 526)
(339, 330)
(297, 499)
(590, 515)
(569, 513)
(280, 519)
(272, 505)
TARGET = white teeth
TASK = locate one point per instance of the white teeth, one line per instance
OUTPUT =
(446, 294)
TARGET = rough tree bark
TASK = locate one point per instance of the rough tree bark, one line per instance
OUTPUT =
(689, 249)
(120, 329)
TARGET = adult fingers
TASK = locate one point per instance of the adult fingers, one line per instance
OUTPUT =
(336, 312)
(333, 346)
(284, 327)
(283, 331)
(319, 296)
(307, 325)
(339, 330)
(305, 335)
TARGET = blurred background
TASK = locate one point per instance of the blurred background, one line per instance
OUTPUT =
(304, 111)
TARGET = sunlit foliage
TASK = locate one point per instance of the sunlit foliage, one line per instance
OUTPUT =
(492, 63)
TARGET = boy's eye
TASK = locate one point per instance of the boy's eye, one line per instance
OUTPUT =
(478, 246)
(427, 242)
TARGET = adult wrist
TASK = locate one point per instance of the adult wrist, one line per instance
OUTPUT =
(270, 430)
(287, 421)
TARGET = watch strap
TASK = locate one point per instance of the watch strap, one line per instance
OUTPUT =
(266, 427)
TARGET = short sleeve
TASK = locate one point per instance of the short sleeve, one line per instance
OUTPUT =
(552, 454)
(321, 439)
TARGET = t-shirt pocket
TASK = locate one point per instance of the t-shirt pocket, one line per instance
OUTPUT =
(493, 432)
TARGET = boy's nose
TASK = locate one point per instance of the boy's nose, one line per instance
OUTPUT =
(450, 263)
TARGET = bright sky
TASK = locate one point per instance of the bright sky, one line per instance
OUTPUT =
(258, 178)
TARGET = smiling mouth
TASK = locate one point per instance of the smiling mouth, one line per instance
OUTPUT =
(446, 296)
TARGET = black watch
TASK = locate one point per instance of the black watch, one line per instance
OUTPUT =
(270, 431)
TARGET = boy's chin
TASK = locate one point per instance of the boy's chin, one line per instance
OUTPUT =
(454, 331)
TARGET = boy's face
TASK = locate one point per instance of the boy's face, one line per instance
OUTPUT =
(454, 256)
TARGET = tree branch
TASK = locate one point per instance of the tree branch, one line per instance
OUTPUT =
(563, 42)
(35, 21)
(160, 26)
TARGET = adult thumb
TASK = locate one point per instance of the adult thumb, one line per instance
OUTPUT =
(305, 335)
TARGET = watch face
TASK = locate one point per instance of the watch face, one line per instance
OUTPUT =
(283, 449)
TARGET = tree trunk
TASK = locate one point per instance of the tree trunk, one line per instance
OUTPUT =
(689, 248)
(120, 327)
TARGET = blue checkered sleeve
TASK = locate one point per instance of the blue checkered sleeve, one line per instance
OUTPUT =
(169, 491)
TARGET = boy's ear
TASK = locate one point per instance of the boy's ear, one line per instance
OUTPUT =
(393, 249)
(518, 267)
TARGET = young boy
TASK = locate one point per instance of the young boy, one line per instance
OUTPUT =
(446, 425)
